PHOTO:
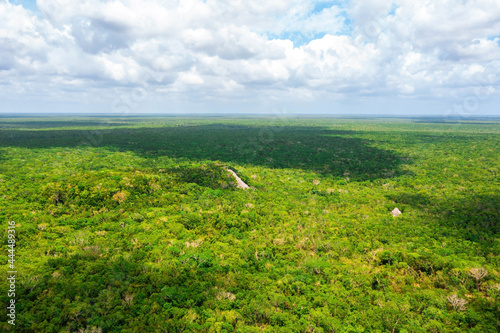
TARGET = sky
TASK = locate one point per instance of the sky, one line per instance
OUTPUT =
(406, 57)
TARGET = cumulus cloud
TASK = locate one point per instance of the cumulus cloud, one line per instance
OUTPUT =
(233, 49)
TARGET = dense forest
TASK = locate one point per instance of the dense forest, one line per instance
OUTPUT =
(135, 225)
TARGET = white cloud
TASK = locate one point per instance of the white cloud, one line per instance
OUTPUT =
(245, 50)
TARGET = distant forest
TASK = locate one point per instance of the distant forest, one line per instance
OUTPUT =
(134, 224)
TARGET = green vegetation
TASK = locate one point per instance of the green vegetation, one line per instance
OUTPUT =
(133, 225)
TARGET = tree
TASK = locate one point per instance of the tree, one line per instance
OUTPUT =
(459, 304)
(478, 274)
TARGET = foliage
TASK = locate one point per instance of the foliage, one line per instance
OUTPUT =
(134, 224)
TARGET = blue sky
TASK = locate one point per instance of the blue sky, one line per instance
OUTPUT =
(28, 4)
(365, 57)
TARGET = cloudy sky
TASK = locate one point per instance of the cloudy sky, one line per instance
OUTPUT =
(439, 57)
